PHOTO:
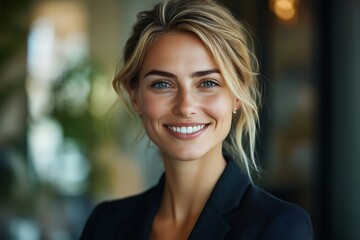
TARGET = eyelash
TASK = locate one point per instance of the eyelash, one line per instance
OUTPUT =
(204, 84)
(157, 84)
(212, 83)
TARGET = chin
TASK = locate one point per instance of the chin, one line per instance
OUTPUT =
(185, 157)
(186, 154)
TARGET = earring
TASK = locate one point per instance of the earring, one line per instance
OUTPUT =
(234, 111)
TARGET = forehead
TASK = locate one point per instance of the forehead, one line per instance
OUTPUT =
(178, 51)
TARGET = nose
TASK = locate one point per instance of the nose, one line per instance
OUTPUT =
(185, 104)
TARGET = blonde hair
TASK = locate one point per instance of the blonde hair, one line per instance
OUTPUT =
(227, 40)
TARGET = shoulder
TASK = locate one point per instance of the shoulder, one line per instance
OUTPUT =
(267, 217)
(121, 207)
(106, 216)
(290, 222)
(109, 209)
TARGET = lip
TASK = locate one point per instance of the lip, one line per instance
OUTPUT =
(196, 129)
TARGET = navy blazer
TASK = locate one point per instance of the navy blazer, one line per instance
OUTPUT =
(236, 209)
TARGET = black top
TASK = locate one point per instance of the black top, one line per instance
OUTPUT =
(236, 209)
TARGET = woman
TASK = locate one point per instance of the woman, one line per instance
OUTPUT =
(191, 77)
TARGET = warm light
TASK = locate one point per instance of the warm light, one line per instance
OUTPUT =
(285, 10)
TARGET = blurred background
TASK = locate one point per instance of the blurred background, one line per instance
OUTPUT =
(65, 144)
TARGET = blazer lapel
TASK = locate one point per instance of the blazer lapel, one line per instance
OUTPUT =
(210, 226)
(140, 223)
(226, 196)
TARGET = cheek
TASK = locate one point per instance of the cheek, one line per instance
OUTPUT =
(151, 108)
(220, 108)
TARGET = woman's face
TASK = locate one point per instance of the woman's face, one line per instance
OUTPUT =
(185, 104)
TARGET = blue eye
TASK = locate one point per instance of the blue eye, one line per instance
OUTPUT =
(209, 84)
(160, 85)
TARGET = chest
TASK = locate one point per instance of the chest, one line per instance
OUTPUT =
(163, 228)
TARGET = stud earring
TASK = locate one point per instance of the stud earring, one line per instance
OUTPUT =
(234, 111)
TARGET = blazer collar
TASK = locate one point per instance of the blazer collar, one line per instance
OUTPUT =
(140, 222)
(230, 188)
(211, 224)
(226, 196)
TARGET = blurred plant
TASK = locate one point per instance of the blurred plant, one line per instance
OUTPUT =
(71, 95)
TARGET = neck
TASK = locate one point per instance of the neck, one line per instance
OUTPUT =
(188, 186)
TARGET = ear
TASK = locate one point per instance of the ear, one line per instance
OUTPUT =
(237, 104)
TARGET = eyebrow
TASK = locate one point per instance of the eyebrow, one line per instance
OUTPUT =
(204, 73)
(193, 75)
(160, 73)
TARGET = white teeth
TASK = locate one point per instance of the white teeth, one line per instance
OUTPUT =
(190, 129)
(183, 129)
(187, 130)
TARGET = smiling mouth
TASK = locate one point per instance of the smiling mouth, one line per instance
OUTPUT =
(186, 129)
